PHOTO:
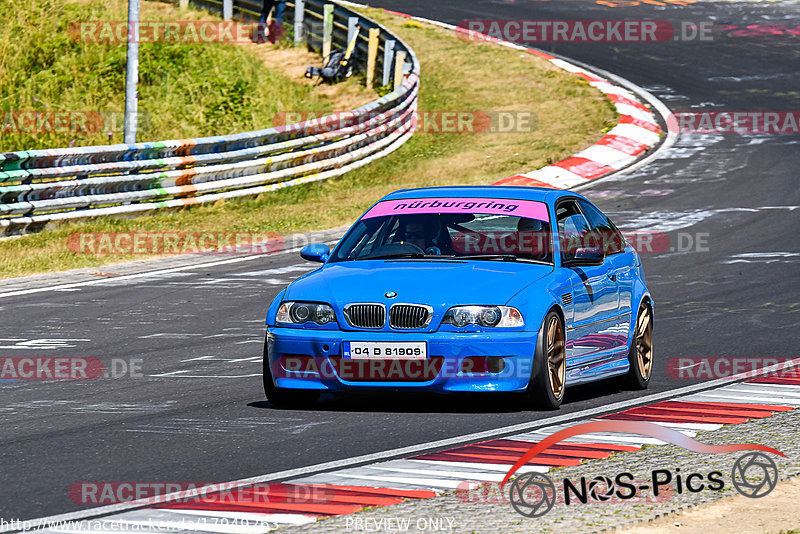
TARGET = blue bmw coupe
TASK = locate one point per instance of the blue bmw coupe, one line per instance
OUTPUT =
(464, 289)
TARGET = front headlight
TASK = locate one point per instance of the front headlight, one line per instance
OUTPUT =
(303, 312)
(490, 316)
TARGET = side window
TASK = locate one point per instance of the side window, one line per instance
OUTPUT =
(572, 228)
(610, 236)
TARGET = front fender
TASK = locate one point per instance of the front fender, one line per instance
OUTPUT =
(536, 300)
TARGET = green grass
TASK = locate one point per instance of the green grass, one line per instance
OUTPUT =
(185, 90)
(456, 75)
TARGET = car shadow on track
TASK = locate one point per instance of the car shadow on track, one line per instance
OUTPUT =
(595, 394)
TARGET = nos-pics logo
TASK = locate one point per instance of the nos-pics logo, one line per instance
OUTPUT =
(754, 474)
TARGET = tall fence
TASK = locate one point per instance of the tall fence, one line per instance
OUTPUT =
(38, 187)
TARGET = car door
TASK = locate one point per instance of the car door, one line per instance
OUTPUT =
(622, 261)
(594, 292)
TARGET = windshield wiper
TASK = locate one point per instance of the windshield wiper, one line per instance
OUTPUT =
(408, 255)
(393, 256)
(499, 257)
(493, 257)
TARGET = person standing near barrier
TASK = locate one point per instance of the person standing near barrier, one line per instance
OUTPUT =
(275, 30)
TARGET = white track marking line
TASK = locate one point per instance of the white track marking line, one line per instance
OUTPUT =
(635, 441)
(636, 113)
(171, 373)
(637, 133)
(761, 389)
(790, 387)
(424, 483)
(458, 475)
(705, 427)
(608, 88)
(176, 375)
(747, 399)
(125, 277)
(420, 464)
(557, 177)
(569, 67)
(489, 467)
(606, 155)
(278, 270)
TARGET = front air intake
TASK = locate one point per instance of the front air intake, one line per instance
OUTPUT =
(365, 315)
(409, 316)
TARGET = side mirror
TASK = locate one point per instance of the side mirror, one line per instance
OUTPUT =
(587, 256)
(316, 252)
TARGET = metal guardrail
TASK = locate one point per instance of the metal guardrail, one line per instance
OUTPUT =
(38, 187)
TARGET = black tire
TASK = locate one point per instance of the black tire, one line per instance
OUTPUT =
(285, 398)
(547, 385)
(640, 355)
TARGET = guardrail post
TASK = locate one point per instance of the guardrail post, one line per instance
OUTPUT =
(299, 14)
(227, 9)
(327, 29)
(372, 55)
(132, 74)
(388, 57)
(352, 28)
(183, 4)
(399, 63)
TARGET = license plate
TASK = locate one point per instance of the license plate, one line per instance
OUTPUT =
(389, 350)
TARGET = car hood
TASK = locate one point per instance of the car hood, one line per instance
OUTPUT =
(438, 283)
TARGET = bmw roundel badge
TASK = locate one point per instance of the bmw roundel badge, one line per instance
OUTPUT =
(390, 294)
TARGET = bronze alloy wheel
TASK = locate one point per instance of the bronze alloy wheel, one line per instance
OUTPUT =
(644, 342)
(556, 360)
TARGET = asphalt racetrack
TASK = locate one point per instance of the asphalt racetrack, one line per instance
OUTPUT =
(198, 412)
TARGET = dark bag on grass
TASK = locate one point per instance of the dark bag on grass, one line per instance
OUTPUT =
(335, 69)
(338, 65)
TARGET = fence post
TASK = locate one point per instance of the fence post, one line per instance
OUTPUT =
(388, 57)
(227, 9)
(299, 14)
(399, 63)
(352, 28)
(327, 29)
(372, 55)
(132, 74)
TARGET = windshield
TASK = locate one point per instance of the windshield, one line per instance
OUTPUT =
(475, 229)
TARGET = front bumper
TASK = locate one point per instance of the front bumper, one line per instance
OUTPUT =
(312, 359)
